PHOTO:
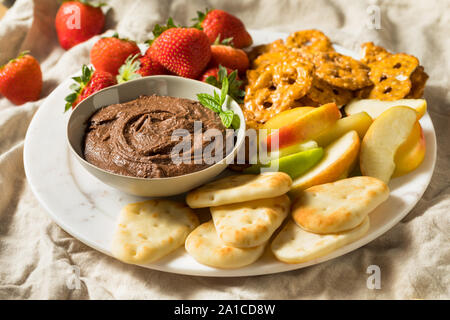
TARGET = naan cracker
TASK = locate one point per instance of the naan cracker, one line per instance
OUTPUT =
(149, 230)
(205, 246)
(338, 206)
(239, 188)
(252, 223)
(295, 245)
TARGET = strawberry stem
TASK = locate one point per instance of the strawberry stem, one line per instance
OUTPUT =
(89, 3)
(235, 90)
(224, 42)
(200, 18)
(128, 71)
(77, 87)
(21, 55)
(159, 29)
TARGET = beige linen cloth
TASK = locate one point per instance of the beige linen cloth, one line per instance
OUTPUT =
(37, 258)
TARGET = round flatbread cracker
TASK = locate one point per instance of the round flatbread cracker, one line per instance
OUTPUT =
(295, 245)
(338, 206)
(205, 246)
(252, 223)
(147, 231)
(239, 188)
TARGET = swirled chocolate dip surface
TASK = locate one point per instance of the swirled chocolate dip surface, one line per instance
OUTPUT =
(134, 138)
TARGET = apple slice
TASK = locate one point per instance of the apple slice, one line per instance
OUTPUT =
(339, 158)
(387, 133)
(376, 107)
(296, 148)
(360, 122)
(411, 153)
(294, 165)
(304, 128)
(286, 117)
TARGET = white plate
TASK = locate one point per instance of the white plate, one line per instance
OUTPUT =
(87, 209)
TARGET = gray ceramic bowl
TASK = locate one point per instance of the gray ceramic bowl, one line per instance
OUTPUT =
(159, 85)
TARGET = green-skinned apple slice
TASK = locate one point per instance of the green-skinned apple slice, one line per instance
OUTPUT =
(287, 151)
(294, 165)
(300, 147)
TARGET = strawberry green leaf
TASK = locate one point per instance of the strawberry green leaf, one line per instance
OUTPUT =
(224, 42)
(212, 81)
(116, 35)
(21, 55)
(235, 87)
(227, 42)
(67, 106)
(217, 41)
(222, 73)
(74, 87)
(199, 19)
(92, 4)
(85, 74)
(77, 79)
(129, 70)
(232, 76)
(71, 97)
(159, 29)
(78, 86)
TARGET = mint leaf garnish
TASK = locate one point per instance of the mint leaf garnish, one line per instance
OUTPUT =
(234, 85)
(216, 101)
(236, 122)
(210, 102)
(227, 118)
(224, 91)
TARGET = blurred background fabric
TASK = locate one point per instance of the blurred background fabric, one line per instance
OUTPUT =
(38, 259)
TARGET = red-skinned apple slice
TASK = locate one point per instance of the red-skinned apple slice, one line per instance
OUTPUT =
(304, 128)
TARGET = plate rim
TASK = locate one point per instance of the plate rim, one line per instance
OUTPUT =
(228, 272)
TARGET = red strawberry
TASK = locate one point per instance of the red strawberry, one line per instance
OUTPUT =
(139, 66)
(150, 67)
(21, 79)
(229, 57)
(78, 21)
(88, 83)
(214, 76)
(218, 23)
(183, 51)
(108, 54)
(214, 72)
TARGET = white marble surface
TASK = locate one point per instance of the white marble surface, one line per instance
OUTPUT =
(86, 208)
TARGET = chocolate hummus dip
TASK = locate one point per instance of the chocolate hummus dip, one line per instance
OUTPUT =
(134, 138)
